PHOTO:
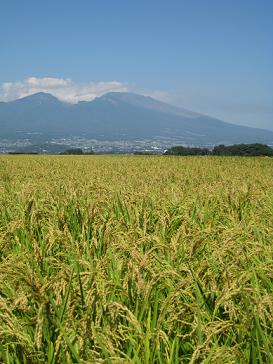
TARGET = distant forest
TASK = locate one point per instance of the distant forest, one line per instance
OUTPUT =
(221, 150)
(77, 151)
(247, 150)
(251, 150)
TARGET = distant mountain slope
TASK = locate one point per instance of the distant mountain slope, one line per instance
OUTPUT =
(119, 116)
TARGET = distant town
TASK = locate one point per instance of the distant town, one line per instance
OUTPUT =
(58, 145)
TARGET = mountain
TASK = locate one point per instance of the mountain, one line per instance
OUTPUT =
(118, 116)
(37, 99)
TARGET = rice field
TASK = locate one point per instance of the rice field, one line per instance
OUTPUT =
(134, 259)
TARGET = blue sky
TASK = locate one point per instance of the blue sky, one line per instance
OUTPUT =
(214, 57)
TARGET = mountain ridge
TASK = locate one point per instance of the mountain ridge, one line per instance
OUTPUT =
(120, 116)
(39, 96)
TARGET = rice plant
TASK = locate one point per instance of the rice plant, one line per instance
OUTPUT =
(119, 259)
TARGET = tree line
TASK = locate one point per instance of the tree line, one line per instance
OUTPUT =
(252, 150)
(77, 151)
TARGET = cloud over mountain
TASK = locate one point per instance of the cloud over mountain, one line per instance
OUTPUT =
(64, 89)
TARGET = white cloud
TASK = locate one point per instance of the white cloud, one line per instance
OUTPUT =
(64, 89)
